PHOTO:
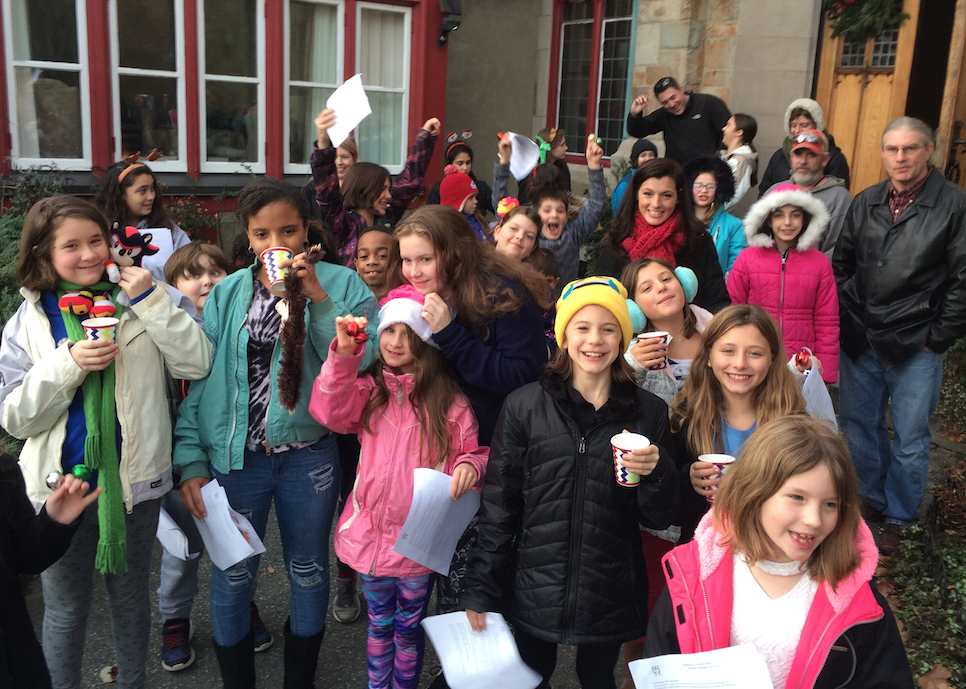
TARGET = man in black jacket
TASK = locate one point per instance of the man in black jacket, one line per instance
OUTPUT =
(900, 266)
(691, 122)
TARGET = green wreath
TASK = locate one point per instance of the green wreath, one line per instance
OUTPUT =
(857, 20)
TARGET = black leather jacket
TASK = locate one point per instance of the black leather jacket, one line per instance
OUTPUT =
(559, 551)
(902, 284)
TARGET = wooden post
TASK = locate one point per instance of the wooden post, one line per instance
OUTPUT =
(954, 76)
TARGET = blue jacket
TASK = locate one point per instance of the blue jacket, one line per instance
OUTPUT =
(512, 354)
(213, 419)
(729, 238)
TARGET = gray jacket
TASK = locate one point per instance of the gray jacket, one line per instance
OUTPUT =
(576, 232)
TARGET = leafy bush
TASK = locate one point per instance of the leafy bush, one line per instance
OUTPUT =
(10, 299)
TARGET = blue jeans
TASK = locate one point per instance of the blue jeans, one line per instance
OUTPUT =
(305, 485)
(892, 477)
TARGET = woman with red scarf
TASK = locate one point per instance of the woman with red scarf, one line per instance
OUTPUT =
(657, 221)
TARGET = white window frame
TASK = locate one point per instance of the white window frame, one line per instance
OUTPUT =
(256, 167)
(407, 70)
(162, 164)
(81, 67)
(600, 66)
(305, 168)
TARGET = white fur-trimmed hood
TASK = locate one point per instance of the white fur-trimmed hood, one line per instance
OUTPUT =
(757, 233)
(818, 117)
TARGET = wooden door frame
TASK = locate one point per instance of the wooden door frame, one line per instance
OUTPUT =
(954, 81)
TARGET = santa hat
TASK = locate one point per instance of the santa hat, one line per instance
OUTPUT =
(405, 305)
(455, 188)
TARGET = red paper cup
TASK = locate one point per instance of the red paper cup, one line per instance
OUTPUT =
(665, 338)
(98, 329)
(271, 257)
(622, 443)
(723, 462)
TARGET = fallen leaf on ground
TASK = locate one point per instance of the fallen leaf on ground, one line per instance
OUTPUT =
(936, 678)
(271, 570)
(885, 587)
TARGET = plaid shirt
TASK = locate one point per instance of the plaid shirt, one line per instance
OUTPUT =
(899, 201)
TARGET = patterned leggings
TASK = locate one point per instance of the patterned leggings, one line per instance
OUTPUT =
(68, 593)
(395, 647)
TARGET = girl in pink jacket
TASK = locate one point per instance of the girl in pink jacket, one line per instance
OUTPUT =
(408, 413)
(783, 272)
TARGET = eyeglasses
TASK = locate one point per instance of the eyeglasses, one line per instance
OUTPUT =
(806, 138)
(707, 187)
(907, 150)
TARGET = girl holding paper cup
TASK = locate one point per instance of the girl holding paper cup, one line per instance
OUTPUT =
(233, 427)
(367, 195)
(738, 381)
(786, 563)
(408, 412)
(96, 409)
(559, 551)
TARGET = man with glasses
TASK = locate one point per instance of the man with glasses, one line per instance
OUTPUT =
(691, 122)
(900, 265)
(809, 156)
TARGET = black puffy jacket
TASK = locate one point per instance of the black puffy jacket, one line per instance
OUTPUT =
(902, 284)
(559, 551)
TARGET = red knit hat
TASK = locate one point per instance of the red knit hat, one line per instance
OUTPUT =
(455, 188)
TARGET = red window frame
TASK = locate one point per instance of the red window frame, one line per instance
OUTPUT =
(423, 97)
(594, 77)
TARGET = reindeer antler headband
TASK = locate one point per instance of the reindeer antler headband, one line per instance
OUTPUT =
(132, 162)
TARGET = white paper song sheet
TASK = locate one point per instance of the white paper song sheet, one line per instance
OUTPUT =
(161, 238)
(436, 521)
(479, 660)
(172, 538)
(351, 105)
(738, 667)
(228, 536)
(524, 157)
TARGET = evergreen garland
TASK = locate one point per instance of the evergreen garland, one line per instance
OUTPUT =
(857, 20)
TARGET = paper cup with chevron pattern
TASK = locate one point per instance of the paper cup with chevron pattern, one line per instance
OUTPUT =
(271, 257)
(621, 444)
(722, 463)
(98, 329)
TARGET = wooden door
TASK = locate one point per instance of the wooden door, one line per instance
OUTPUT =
(863, 87)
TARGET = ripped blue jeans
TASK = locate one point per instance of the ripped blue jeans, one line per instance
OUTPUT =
(305, 485)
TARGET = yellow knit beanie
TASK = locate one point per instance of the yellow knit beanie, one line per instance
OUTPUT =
(603, 291)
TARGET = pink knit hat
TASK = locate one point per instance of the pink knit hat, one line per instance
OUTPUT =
(456, 187)
(405, 305)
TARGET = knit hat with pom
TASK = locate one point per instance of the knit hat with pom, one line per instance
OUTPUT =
(456, 187)
(405, 305)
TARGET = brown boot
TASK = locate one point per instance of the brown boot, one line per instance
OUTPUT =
(633, 650)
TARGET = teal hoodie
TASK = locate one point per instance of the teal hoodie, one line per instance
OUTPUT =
(213, 420)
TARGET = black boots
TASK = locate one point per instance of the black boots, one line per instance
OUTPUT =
(301, 659)
(237, 663)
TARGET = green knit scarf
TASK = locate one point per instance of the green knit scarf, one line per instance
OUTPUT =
(100, 447)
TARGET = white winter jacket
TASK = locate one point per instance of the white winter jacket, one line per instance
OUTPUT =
(38, 379)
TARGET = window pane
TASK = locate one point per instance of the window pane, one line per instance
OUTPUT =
(611, 98)
(304, 104)
(48, 110)
(579, 9)
(44, 30)
(230, 38)
(853, 54)
(617, 9)
(314, 42)
(232, 122)
(884, 48)
(574, 83)
(382, 49)
(149, 115)
(380, 134)
(134, 51)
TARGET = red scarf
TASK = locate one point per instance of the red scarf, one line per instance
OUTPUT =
(662, 241)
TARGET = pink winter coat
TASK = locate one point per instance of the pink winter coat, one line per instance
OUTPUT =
(383, 492)
(797, 289)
